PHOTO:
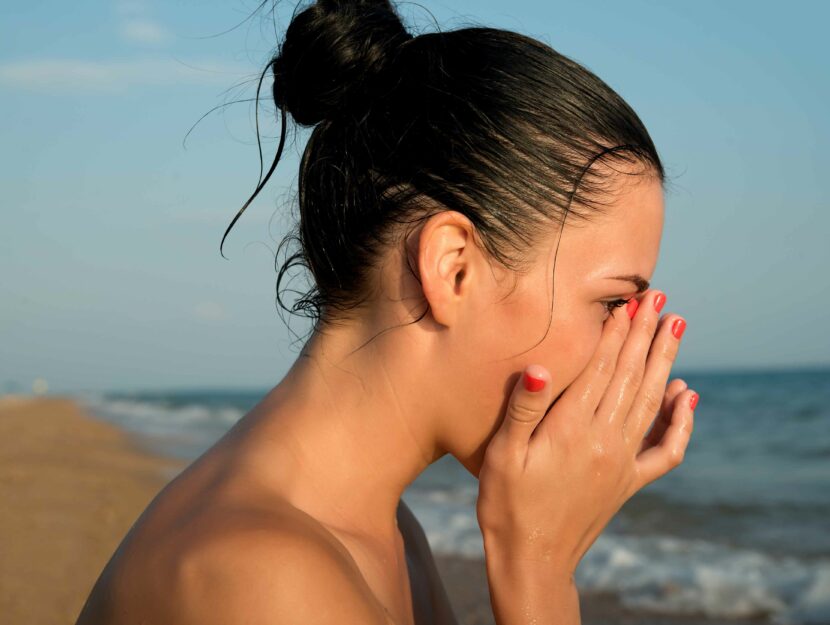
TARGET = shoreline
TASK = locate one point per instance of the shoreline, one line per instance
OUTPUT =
(73, 484)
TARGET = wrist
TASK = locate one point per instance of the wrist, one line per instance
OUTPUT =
(535, 562)
(531, 590)
(527, 570)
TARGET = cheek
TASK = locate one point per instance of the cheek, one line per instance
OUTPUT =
(569, 346)
(578, 345)
(566, 349)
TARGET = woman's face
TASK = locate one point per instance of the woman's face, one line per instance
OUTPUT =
(517, 327)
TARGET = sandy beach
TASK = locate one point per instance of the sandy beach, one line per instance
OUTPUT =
(71, 486)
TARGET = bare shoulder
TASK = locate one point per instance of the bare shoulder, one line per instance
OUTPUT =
(271, 572)
(234, 567)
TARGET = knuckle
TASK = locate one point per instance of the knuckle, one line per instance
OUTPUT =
(522, 412)
(634, 373)
(603, 365)
(677, 385)
(668, 349)
(652, 401)
(604, 453)
(668, 352)
(648, 325)
(641, 324)
(676, 456)
(600, 453)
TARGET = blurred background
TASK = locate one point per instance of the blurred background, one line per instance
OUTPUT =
(129, 143)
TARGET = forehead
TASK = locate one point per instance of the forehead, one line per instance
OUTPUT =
(633, 212)
(622, 239)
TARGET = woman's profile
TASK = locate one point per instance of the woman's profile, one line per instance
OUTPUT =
(480, 216)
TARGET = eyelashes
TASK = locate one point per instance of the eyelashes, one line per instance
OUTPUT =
(611, 305)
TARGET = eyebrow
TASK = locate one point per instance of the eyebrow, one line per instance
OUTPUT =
(639, 281)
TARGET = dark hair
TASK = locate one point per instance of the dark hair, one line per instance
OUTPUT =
(487, 122)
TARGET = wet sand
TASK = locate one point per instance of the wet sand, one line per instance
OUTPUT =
(71, 486)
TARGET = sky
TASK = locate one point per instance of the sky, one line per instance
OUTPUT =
(114, 203)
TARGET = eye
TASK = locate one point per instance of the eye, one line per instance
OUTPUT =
(616, 303)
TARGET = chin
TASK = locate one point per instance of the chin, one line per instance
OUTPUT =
(474, 461)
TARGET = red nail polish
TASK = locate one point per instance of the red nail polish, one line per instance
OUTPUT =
(693, 400)
(659, 300)
(631, 307)
(533, 384)
(677, 327)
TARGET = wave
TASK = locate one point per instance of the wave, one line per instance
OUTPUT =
(170, 426)
(658, 573)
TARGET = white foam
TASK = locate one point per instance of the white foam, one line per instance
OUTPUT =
(196, 426)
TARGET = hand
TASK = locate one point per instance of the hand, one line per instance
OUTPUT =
(551, 480)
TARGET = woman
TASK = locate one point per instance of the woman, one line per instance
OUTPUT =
(450, 177)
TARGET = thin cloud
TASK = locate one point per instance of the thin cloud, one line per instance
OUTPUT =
(114, 76)
(210, 311)
(144, 31)
(137, 25)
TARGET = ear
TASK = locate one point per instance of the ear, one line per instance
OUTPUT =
(447, 256)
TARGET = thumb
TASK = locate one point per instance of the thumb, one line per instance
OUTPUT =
(526, 407)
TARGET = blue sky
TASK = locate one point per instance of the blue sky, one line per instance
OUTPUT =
(110, 273)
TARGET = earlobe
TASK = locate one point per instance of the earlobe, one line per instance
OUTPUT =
(443, 263)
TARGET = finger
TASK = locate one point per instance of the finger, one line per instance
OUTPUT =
(525, 409)
(653, 437)
(649, 397)
(671, 449)
(589, 386)
(628, 375)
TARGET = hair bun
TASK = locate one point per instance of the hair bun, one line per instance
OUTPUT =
(333, 55)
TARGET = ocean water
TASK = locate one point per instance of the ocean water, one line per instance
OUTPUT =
(740, 529)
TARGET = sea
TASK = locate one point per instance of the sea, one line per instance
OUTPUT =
(740, 529)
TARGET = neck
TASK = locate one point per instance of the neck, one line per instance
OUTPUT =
(349, 432)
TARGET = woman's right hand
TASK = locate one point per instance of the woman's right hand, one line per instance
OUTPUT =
(551, 481)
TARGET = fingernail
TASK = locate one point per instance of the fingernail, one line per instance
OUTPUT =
(693, 400)
(659, 301)
(631, 307)
(677, 327)
(533, 384)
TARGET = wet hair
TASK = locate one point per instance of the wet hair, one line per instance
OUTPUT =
(490, 123)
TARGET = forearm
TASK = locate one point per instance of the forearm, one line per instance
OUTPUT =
(524, 592)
